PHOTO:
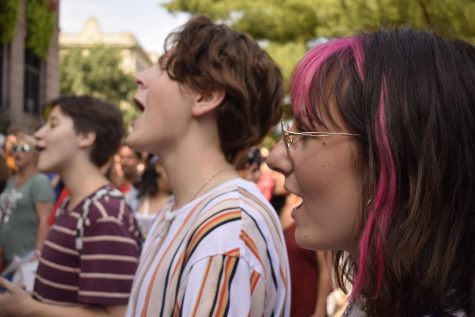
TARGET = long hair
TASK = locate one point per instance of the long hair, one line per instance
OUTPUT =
(148, 185)
(411, 96)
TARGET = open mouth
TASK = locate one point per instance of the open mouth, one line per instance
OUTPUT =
(140, 107)
(40, 148)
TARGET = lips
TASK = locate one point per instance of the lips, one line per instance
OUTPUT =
(40, 148)
(140, 107)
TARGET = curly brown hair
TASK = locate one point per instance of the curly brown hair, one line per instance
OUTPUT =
(207, 57)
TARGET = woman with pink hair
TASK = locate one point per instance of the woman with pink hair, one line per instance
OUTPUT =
(382, 152)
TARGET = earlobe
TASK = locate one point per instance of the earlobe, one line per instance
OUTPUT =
(206, 103)
(86, 139)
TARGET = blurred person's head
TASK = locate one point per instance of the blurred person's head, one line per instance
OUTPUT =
(214, 71)
(154, 179)
(10, 139)
(130, 161)
(248, 164)
(382, 152)
(79, 124)
(24, 151)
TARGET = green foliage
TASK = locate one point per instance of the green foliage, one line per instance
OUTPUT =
(8, 18)
(287, 26)
(296, 20)
(97, 72)
(41, 23)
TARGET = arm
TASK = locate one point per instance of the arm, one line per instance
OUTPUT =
(43, 211)
(324, 283)
(15, 302)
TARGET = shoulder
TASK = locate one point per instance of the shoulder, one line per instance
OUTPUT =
(40, 178)
(106, 203)
(236, 217)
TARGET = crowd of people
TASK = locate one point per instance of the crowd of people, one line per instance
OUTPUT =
(365, 207)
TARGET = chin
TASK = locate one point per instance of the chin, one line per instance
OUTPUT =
(136, 144)
(46, 168)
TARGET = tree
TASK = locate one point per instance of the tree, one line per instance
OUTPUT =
(289, 25)
(97, 72)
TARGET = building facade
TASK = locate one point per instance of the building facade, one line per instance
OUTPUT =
(134, 57)
(27, 81)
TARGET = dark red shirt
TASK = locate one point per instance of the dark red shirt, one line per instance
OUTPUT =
(103, 271)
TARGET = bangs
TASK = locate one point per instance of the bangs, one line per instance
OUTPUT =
(320, 80)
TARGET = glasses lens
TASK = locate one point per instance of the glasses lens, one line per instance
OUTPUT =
(24, 148)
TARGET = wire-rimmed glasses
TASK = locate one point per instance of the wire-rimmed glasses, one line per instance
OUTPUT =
(289, 137)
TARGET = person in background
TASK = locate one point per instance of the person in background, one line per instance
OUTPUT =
(4, 172)
(25, 204)
(217, 247)
(89, 258)
(10, 139)
(153, 193)
(248, 165)
(131, 165)
(382, 152)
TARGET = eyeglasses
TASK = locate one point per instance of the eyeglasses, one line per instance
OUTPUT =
(23, 148)
(289, 137)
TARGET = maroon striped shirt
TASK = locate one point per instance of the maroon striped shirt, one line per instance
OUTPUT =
(103, 271)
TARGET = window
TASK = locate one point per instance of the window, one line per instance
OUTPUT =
(31, 92)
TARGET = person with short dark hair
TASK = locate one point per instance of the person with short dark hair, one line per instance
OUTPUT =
(217, 247)
(91, 252)
(382, 152)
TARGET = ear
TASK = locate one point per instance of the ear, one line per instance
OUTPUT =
(207, 102)
(86, 139)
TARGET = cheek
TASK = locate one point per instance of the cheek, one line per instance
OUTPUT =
(331, 189)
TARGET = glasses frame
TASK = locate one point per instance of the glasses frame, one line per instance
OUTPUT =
(288, 140)
(23, 148)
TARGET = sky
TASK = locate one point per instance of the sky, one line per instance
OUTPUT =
(146, 19)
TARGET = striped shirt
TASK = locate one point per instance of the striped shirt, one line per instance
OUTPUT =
(103, 271)
(221, 254)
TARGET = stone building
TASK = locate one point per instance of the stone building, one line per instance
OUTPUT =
(26, 80)
(134, 58)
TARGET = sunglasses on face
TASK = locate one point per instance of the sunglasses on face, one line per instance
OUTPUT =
(23, 148)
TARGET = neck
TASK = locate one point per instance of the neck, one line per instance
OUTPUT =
(27, 171)
(80, 187)
(193, 174)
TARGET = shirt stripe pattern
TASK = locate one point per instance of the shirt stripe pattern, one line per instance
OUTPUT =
(103, 271)
(223, 254)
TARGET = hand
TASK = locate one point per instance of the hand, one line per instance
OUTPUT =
(14, 302)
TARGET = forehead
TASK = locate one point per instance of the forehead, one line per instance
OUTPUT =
(57, 113)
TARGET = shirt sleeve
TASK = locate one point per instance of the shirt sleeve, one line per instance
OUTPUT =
(42, 191)
(109, 259)
(222, 285)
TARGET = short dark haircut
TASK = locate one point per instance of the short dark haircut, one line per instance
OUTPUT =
(207, 57)
(90, 114)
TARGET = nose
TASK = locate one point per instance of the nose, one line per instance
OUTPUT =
(141, 78)
(278, 160)
(39, 133)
